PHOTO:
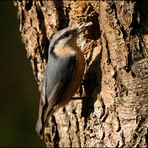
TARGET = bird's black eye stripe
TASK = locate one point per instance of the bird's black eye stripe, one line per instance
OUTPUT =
(66, 34)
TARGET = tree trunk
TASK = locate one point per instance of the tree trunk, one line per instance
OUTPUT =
(114, 111)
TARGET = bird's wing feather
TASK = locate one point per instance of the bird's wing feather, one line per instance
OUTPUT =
(58, 76)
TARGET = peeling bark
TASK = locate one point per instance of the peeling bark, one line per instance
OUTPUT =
(114, 111)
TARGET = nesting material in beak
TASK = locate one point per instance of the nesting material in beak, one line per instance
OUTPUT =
(83, 27)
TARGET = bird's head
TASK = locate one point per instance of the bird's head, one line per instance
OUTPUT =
(67, 36)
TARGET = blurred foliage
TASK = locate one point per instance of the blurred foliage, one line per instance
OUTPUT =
(19, 95)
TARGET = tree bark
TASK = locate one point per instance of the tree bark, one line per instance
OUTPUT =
(114, 111)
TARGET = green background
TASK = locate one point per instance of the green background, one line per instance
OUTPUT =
(19, 94)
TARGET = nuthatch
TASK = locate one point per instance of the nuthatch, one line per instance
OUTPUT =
(63, 74)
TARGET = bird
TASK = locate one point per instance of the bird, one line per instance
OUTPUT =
(63, 74)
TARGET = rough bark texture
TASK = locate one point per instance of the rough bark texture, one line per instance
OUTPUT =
(115, 109)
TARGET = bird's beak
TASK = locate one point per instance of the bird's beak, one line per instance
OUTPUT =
(83, 27)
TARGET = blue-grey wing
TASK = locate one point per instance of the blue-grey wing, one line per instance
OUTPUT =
(58, 74)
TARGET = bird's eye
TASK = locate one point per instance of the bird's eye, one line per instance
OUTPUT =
(66, 34)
